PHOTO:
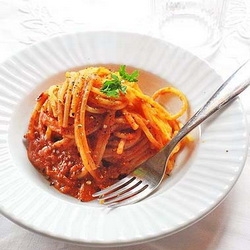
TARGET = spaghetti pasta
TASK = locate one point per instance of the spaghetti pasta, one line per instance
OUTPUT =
(84, 135)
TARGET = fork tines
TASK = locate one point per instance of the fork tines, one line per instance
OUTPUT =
(123, 192)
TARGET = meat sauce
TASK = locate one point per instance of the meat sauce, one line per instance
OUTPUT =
(62, 164)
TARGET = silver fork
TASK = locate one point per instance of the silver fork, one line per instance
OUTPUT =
(147, 177)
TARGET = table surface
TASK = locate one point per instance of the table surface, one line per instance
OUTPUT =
(24, 22)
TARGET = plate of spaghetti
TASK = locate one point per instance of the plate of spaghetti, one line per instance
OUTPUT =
(96, 127)
(81, 111)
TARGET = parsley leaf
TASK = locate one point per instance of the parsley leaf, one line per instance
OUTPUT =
(113, 87)
(126, 76)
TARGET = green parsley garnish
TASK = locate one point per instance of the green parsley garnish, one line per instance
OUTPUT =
(114, 86)
(129, 77)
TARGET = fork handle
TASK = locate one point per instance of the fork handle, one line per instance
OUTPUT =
(226, 93)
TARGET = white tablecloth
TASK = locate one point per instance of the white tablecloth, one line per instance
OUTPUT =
(23, 22)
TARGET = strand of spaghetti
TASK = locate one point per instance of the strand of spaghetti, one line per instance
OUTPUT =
(110, 103)
(120, 147)
(34, 120)
(48, 133)
(140, 148)
(103, 137)
(41, 99)
(175, 125)
(47, 107)
(130, 139)
(133, 141)
(67, 102)
(52, 92)
(145, 129)
(126, 135)
(79, 82)
(176, 92)
(163, 130)
(170, 165)
(60, 96)
(80, 134)
(130, 119)
(50, 122)
(120, 124)
(127, 139)
(95, 110)
(128, 154)
(145, 98)
(133, 85)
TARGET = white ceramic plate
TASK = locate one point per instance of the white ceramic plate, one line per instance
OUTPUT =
(196, 186)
